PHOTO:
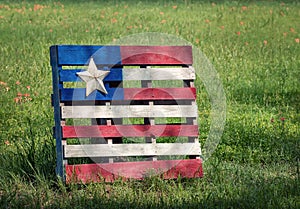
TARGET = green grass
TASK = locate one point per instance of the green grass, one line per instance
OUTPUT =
(254, 46)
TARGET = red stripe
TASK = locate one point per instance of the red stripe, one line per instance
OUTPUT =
(159, 93)
(129, 131)
(137, 170)
(156, 55)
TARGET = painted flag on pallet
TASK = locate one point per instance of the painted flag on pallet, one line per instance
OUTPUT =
(103, 71)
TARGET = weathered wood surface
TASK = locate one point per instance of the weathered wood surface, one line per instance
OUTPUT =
(156, 74)
(152, 63)
(156, 55)
(78, 94)
(167, 169)
(126, 111)
(119, 74)
(69, 55)
(125, 150)
(107, 131)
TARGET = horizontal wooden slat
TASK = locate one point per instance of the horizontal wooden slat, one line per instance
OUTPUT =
(70, 75)
(159, 74)
(78, 94)
(80, 55)
(124, 150)
(124, 55)
(125, 111)
(160, 94)
(119, 74)
(129, 131)
(109, 172)
(156, 55)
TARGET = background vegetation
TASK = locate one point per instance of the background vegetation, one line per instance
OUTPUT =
(254, 46)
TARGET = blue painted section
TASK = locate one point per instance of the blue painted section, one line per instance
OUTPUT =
(78, 94)
(70, 75)
(57, 113)
(80, 55)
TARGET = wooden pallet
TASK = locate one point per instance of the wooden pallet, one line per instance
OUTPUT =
(119, 131)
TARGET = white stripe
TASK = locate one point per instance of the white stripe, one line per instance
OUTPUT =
(115, 150)
(159, 73)
(126, 111)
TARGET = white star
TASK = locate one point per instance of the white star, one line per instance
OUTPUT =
(93, 78)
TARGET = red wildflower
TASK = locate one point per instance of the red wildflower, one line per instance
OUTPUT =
(282, 119)
(114, 20)
(292, 30)
(265, 42)
(17, 99)
(244, 8)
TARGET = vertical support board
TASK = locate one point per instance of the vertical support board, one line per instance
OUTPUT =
(150, 121)
(57, 113)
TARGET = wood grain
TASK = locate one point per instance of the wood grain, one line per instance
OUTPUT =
(125, 150)
(106, 131)
(156, 55)
(126, 111)
(158, 73)
(78, 94)
(109, 172)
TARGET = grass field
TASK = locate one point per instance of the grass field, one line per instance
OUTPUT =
(255, 48)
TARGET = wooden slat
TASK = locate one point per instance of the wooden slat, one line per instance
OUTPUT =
(57, 112)
(109, 172)
(156, 55)
(78, 94)
(119, 74)
(158, 74)
(160, 94)
(125, 55)
(123, 150)
(133, 111)
(129, 131)
(70, 75)
(80, 55)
